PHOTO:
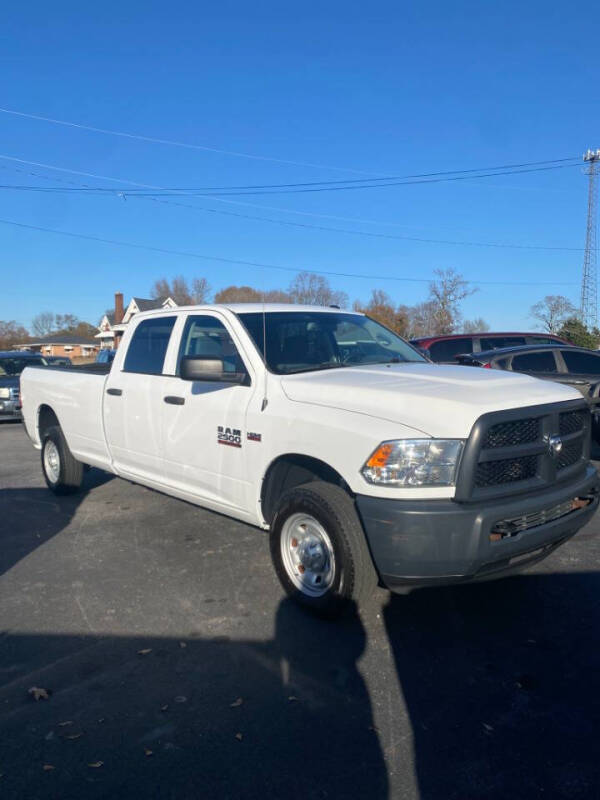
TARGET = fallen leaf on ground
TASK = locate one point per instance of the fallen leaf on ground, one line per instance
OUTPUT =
(48, 767)
(489, 728)
(292, 698)
(73, 736)
(65, 723)
(38, 694)
(145, 651)
(96, 764)
(165, 707)
(181, 698)
(147, 751)
(182, 644)
(239, 737)
(236, 703)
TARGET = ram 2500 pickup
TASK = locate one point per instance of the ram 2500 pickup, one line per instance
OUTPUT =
(365, 462)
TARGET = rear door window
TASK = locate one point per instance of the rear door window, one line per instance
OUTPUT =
(581, 362)
(496, 342)
(450, 348)
(535, 362)
(148, 346)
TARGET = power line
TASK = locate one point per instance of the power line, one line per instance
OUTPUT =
(262, 265)
(218, 199)
(208, 192)
(187, 145)
(304, 225)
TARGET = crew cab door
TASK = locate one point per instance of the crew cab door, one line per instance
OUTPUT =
(133, 400)
(204, 436)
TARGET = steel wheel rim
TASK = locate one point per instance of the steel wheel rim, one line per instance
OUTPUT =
(307, 554)
(52, 461)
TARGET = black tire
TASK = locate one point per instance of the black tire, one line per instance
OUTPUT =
(354, 576)
(68, 477)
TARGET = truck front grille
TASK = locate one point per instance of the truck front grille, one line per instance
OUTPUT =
(508, 470)
(509, 433)
(571, 422)
(524, 449)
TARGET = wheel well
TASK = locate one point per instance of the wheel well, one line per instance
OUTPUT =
(46, 419)
(292, 470)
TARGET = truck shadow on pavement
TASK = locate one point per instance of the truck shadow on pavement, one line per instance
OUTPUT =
(501, 682)
(218, 718)
(19, 507)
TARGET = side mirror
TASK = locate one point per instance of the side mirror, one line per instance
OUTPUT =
(200, 368)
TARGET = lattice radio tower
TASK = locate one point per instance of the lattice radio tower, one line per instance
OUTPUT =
(589, 290)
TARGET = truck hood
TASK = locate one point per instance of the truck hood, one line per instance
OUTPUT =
(434, 399)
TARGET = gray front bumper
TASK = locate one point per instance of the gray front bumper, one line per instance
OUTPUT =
(436, 542)
(10, 409)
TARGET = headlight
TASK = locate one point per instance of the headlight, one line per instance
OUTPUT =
(4, 394)
(414, 462)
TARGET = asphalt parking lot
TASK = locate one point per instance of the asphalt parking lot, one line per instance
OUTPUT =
(176, 669)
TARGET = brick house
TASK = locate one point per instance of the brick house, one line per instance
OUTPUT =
(62, 344)
(113, 325)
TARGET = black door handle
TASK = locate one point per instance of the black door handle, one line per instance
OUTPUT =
(174, 401)
(116, 392)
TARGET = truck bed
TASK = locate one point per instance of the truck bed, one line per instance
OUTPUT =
(75, 395)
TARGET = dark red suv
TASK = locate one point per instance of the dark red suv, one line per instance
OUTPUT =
(445, 349)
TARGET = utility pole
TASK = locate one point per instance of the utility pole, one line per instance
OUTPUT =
(589, 290)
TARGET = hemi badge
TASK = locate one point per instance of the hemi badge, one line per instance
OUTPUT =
(254, 437)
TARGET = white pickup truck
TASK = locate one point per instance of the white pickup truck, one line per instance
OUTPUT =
(365, 462)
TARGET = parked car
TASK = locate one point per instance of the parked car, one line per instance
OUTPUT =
(364, 461)
(446, 349)
(12, 364)
(105, 356)
(58, 361)
(575, 366)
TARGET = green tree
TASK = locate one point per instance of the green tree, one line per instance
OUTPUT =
(574, 331)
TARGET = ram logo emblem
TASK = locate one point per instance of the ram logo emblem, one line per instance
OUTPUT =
(555, 445)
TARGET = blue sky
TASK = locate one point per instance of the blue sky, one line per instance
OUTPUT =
(381, 88)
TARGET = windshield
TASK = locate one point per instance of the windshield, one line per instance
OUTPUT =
(300, 341)
(15, 365)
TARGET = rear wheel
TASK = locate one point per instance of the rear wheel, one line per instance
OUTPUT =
(63, 473)
(319, 549)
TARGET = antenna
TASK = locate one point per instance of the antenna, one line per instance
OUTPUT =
(589, 291)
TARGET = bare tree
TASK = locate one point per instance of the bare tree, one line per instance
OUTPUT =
(247, 294)
(43, 324)
(180, 290)
(422, 319)
(201, 290)
(310, 289)
(446, 293)
(552, 311)
(65, 323)
(11, 333)
(477, 325)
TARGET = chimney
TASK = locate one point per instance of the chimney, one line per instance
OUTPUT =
(118, 308)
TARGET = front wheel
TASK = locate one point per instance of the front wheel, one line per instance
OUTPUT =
(63, 473)
(319, 549)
